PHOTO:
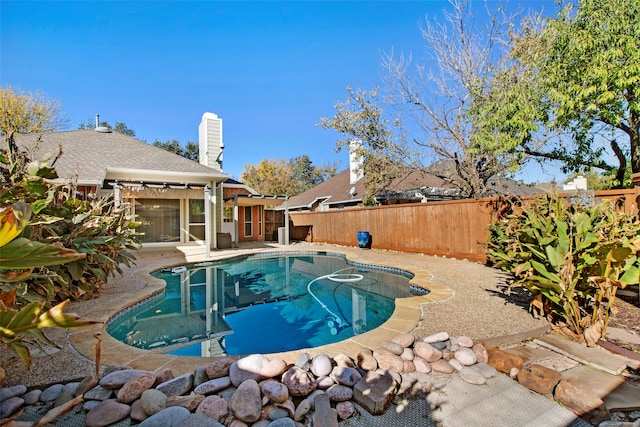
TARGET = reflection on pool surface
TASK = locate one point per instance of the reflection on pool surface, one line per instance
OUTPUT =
(263, 303)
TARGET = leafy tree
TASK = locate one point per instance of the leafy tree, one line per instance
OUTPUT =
(283, 177)
(22, 112)
(122, 128)
(305, 175)
(191, 151)
(119, 127)
(172, 146)
(268, 176)
(440, 101)
(581, 74)
(369, 136)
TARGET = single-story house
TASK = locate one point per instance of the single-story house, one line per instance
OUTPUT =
(179, 201)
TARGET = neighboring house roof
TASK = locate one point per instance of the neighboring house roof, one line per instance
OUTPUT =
(337, 190)
(496, 186)
(507, 186)
(415, 186)
(91, 157)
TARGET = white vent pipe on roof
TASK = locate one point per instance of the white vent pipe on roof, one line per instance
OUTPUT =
(102, 129)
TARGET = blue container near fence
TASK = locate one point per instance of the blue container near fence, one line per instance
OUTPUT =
(364, 239)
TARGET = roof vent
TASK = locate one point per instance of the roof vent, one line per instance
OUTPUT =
(102, 129)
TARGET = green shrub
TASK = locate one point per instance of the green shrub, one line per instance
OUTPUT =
(104, 235)
(53, 248)
(572, 258)
(21, 326)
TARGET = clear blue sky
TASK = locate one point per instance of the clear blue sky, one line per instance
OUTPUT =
(270, 70)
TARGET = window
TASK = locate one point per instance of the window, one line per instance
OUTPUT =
(196, 219)
(227, 214)
(248, 221)
(160, 219)
(260, 211)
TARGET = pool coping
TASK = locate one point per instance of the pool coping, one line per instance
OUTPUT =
(404, 319)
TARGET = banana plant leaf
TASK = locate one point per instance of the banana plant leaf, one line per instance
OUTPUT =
(22, 253)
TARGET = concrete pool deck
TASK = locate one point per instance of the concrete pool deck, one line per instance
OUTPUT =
(406, 316)
(466, 298)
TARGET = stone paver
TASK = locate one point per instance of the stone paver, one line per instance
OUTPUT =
(500, 402)
(623, 335)
(594, 356)
(531, 354)
(600, 382)
(624, 398)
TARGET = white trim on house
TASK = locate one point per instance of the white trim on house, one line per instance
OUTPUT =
(162, 176)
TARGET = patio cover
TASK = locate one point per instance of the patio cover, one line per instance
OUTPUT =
(254, 200)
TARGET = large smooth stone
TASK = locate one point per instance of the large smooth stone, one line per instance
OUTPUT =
(275, 391)
(427, 352)
(299, 382)
(321, 365)
(171, 416)
(246, 402)
(466, 356)
(153, 401)
(106, 413)
(215, 407)
(135, 386)
(247, 368)
(177, 386)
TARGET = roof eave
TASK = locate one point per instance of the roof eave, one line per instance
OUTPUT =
(158, 176)
(320, 200)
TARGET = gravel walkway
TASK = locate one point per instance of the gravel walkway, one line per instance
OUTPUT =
(479, 308)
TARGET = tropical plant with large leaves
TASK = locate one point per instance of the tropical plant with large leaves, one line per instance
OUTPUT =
(53, 248)
(22, 326)
(106, 236)
(572, 257)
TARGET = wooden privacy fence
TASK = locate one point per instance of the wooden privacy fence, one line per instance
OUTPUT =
(457, 228)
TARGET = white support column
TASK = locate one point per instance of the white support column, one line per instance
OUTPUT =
(207, 220)
(214, 200)
(286, 220)
(116, 195)
(235, 221)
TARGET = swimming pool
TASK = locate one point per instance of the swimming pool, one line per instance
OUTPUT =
(262, 303)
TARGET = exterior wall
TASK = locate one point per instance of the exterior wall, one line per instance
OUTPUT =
(258, 230)
(188, 230)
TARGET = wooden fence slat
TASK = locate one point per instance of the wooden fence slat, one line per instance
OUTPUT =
(457, 228)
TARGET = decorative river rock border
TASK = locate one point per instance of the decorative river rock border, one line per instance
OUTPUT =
(256, 391)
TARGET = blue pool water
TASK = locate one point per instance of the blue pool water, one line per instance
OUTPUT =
(263, 303)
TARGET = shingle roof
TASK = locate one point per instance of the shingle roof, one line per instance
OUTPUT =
(88, 154)
(336, 190)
